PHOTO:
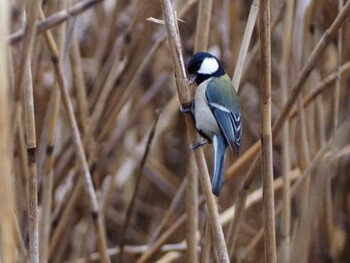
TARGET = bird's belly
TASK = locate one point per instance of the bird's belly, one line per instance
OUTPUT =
(205, 120)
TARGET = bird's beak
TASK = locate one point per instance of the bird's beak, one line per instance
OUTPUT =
(192, 78)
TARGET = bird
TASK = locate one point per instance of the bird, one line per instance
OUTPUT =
(216, 111)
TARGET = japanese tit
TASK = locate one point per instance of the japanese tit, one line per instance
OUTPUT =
(216, 111)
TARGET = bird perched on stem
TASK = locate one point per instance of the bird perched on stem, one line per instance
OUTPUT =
(216, 111)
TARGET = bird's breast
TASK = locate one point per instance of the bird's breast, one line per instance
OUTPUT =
(205, 120)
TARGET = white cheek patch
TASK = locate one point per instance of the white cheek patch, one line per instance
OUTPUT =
(209, 66)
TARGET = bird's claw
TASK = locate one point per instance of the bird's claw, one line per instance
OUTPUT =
(188, 108)
(201, 142)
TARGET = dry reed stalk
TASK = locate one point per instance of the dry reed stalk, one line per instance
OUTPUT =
(200, 44)
(111, 32)
(266, 136)
(192, 210)
(302, 238)
(7, 206)
(203, 25)
(80, 86)
(208, 242)
(253, 54)
(55, 19)
(48, 173)
(232, 235)
(286, 159)
(114, 73)
(184, 97)
(180, 247)
(253, 13)
(301, 241)
(24, 82)
(79, 149)
(61, 226)
(139, 173)
(330, 225)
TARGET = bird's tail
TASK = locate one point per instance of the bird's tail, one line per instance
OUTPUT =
(220, 146)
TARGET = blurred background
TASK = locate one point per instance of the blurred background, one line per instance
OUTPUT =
(116, 67)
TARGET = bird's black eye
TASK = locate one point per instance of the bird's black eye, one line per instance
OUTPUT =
(198, 66)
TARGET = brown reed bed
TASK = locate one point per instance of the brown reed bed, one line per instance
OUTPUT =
(94, 151)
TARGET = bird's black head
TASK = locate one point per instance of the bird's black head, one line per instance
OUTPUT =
(203, 66)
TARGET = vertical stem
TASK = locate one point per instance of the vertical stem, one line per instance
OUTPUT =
(200, 44)
(24, 81)
(7, 205)
(253, 13)
(205, 257)
(266, 136)
(203, 25)
(192, 210)
(45, 225)
(286, 165)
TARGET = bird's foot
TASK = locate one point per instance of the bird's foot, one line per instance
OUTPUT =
(188, 108)
(201, 142)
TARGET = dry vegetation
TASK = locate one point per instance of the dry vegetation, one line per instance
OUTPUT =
(94, 156)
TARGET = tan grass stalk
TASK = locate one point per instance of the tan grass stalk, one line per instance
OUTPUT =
(200, 44)
(184, 97)
(286, 161)
(266, 136)
(232, 234)
(192, 210)
(302, 238)
(80, 87)
(254, 10)
(24, 82)
(7, 205)
(179, 247)
(253, 53)
(203, 25)
(208, 242)
(55, 19)
(45, 225)
(62, 224)
(79, 149)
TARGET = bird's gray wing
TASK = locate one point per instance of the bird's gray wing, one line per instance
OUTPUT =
(222, 101)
